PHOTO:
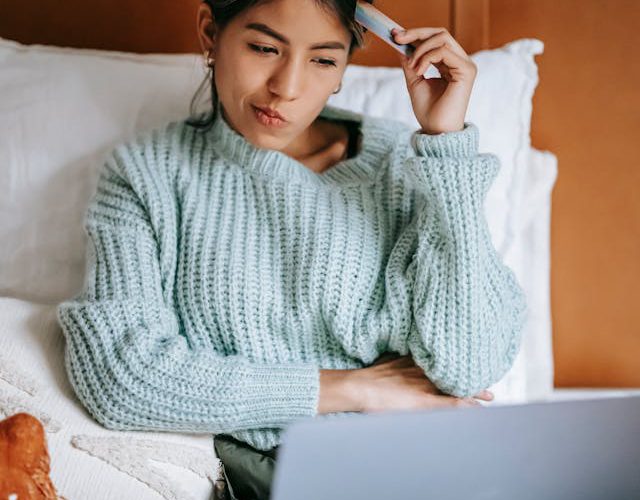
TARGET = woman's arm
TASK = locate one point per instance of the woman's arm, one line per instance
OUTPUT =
(129, 358)
(468, 309)
(391, 383)
(338, 392)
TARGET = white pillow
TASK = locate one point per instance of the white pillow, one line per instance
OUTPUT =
(63, 109)
(87, 460)
(531, 376)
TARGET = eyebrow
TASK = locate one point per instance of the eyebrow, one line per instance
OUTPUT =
(263, 28)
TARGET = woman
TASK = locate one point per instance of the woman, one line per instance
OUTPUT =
(279, 259)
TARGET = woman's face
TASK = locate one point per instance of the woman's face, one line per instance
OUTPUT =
(287, 55)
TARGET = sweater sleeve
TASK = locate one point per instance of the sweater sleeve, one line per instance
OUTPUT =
(130, 359)
(468, 310)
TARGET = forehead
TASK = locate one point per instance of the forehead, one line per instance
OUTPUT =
(300, 21)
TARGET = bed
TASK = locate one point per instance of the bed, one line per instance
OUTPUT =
(68, 96)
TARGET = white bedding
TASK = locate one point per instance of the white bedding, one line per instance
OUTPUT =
(87, 460)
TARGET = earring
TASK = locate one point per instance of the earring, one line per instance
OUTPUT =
(338, 89)
(210, 61)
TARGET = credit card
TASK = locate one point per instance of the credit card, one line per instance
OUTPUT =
(374, 20)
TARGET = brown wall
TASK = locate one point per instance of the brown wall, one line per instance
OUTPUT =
(126, 25)
(586, 110)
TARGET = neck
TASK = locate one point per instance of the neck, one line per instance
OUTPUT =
(304, 145)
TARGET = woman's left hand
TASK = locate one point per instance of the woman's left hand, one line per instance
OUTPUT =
(440, 104)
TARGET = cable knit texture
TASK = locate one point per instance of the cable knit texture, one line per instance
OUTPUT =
(221, 277)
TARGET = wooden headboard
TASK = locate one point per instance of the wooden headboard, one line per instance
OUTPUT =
(586, 110)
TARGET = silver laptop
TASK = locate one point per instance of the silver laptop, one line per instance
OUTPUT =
(585, 449)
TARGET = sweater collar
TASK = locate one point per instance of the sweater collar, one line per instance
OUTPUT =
(274, 164)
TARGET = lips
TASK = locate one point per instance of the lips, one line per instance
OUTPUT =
(271, 112)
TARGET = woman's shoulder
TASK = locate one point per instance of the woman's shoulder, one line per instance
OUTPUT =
(149, 152)
(137, 170)
(387, 123)
(143, 165)
(389, 136)
(395, 134)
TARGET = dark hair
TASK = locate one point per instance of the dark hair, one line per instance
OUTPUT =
(225, 10)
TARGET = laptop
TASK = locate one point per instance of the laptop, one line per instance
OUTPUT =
(581, 449)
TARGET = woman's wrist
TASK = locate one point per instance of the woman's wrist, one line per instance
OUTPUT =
(338, 392)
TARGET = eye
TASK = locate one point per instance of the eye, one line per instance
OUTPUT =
(327, 62)
(261, 49)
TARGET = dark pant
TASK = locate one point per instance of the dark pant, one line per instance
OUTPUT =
(248, 472)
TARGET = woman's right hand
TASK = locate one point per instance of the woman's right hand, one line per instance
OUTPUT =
(395, 382)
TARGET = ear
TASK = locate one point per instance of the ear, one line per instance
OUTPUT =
(206, 28)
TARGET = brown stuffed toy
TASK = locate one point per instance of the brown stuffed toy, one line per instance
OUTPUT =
(24, 460)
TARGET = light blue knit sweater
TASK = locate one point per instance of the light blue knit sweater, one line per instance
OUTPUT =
(221, 277)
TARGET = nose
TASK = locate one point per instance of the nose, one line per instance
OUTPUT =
(287, 80)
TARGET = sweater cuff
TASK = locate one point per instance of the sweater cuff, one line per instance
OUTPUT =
(461, 143)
